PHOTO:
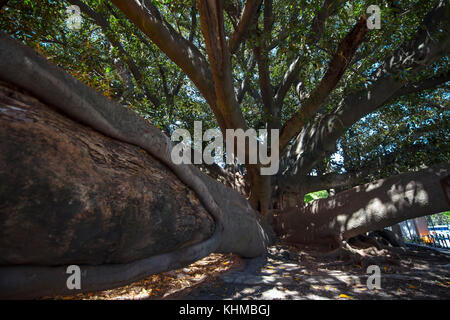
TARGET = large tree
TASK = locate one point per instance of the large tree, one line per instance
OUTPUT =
(343, 97)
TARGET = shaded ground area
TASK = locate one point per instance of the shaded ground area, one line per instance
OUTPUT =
(163, 284)
(290, 273)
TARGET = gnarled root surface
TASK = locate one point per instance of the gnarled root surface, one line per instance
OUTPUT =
(237, 227)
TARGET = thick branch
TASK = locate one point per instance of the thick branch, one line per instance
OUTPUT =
(211, 17)
(181, 51)
(298, 183)
(271, 110)
(368, 207)
(266, 87)
(315, 34)
(318, 139)
(336, 69)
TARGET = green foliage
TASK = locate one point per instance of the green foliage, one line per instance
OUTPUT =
(88, 55)
(316, 195)
(398, 137)
(438, 219)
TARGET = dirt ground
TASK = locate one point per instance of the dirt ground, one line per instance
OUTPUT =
(292, 273)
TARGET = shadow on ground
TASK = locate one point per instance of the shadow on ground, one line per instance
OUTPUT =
(288, 273)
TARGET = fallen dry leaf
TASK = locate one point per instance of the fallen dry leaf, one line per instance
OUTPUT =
(160, 285)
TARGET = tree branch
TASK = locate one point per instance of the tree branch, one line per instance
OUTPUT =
(289, 78)
(352, 212)
(101, 21)
(266, 87)
(193, 21)
(211, 17)
(317, 30)
(316, 141)
(248, 14)
(363, 173)
(272, 111)
(181, 51)
(162, 72)
(336, 69)
(243, 88)
(424, 84)
(318, 23)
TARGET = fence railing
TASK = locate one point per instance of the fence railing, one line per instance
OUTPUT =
(433, 240)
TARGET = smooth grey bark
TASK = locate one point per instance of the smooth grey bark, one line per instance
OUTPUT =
(238, 227)
(368, 207)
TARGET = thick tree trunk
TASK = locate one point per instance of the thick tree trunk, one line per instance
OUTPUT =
(364, 208)
(108, 199)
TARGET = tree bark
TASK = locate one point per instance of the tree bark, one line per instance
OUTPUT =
(109, 199)
(368, 207)
(71, 195)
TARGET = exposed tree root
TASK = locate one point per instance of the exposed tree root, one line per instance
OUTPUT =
(238, 228)
(364, 257)
(387, 238)
(364, 250)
